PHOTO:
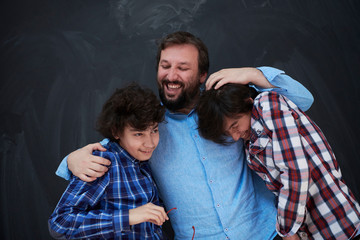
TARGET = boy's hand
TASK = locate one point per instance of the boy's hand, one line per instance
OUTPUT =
(83, 164)
(148, 213)
(244, 75)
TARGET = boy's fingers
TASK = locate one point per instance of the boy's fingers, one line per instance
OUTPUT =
(162, 212)
(157, 213)
(157, 218)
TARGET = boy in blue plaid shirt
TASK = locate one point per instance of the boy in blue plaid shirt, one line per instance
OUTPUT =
(124, 203)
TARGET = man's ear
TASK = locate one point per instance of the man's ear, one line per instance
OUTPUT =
(203, 77)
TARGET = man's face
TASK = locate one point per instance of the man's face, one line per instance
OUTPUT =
(178, 77)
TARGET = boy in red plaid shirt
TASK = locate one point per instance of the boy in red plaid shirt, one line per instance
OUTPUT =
(289, 152)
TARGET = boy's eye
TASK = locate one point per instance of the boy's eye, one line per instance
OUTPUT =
(234, 127)
(155, 130)
(138, 134)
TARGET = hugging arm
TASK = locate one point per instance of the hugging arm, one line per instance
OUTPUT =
(264, 79)
(244, 75)
(83, 164)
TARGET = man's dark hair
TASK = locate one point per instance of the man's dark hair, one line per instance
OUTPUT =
(180, 37)
(227, 101)
(131, 106)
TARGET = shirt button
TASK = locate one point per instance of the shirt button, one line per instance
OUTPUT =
(303, 234)
(264, 177)
(211, 181)
(218, 205)
(226, 229)
(227, 238)
(203, 158)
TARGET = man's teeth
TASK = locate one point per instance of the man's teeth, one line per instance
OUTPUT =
(173, 86)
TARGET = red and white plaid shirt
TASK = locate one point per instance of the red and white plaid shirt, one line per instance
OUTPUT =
(289, 151)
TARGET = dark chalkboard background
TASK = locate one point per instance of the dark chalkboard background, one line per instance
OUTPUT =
(60, 60)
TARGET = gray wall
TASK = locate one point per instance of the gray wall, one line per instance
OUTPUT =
(60, 60)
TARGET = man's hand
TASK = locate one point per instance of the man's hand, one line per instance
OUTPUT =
(148, 213)
(243, 75)
(83, 164)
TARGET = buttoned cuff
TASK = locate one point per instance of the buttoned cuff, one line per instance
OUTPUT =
(121, 222)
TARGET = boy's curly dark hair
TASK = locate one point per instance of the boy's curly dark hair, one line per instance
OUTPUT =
(131, 106)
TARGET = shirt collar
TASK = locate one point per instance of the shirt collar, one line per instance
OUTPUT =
(122, 152)
(179, 116)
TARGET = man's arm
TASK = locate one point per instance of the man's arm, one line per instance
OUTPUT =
(264, 79)
(83, 164)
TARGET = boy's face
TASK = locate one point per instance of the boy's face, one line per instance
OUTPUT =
(140, 144)
(239, 126)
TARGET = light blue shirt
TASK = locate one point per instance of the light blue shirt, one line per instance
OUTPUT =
(210, 184)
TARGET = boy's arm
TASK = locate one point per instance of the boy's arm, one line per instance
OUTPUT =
(75, 216)
(73, 219)
(289, 157)
(264, 79)
(83, 164)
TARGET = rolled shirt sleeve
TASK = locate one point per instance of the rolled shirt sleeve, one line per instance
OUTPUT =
(287, 86)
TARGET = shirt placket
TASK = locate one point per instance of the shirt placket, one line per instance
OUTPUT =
(211, 180)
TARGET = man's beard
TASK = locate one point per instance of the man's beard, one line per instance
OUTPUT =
(185, 100)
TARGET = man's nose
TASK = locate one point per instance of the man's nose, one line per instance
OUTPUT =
(172, 74)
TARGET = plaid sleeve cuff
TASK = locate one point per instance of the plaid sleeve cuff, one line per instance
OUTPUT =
(121, 221)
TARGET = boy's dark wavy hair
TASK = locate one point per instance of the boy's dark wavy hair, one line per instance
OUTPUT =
(132, 106)
(227, 101)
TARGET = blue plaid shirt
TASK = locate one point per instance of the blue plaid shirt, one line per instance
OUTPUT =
(100, 209)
